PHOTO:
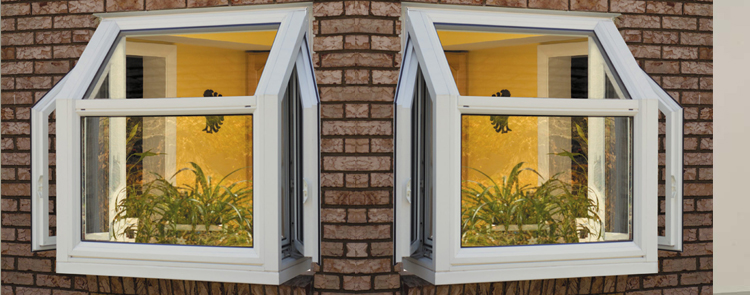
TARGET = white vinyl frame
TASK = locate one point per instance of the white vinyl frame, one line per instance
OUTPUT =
(263, 263)
(452, 264)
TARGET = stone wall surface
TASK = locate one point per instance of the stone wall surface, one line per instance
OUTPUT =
(357, 57)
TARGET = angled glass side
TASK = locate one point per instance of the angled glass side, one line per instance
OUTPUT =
(512, 62)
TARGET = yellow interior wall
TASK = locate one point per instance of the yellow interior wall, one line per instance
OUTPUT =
(489, 71)
(218, 153)
(496, 154)
(264, 38)
(200, 68)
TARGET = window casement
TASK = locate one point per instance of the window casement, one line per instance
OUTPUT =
(534, 137)
(187, 148)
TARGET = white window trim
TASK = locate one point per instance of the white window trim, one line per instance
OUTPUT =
(263, 263)
(451, 264)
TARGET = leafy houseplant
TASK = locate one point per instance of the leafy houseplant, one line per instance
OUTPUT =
(508, 213)
(206, 212)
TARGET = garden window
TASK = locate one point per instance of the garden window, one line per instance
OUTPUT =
(187, 149)
(534, 137)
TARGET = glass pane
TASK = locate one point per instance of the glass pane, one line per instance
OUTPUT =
(168, 180)
(504, 62)
(545, 180)
(185, 65)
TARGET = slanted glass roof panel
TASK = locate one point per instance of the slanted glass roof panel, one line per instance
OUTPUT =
(523, 63)
(223, 62)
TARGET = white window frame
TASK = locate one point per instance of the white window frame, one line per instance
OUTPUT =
(261, 264)
(449, 262)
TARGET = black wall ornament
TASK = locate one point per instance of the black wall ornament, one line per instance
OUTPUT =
(213, 123)
(500, 123)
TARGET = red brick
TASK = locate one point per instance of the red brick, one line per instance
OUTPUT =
(705, 205)
(706, 234)
(16, 9)
(659, 281)
(645, 51)
(333, 215)
(328, 111)
(325, 43)
(702, 98)
(359, 266)
(124, 5)
(86, 6)
(356, 249)
(34, 23)
(51, 67)
(675, 265)
(75, 21)
(639, 21)
(693, 67)
(206, 3)
(698, 189)
(674, 52)
(328, 77)
(706, 263)
(357, 128)
(678, 82)
(13, 68)
(381, 180)
(357, 198)
(463, 2)
(706, 24)
(356, 59)
(660, 7)
(696, 38)
(681, 291)
(507, 3)
(357, 93)
(386, 9)
(357, 180)
(357, 42)
(357, 145)
(9, 39)
(35, 82)
(356, 283)
(326, 282)
(356, 216)
(239, 2)
(697, 249)
(588, 5)
(381, 249)
(707, 83)
(356, 7)
(706, 174)
(53, 37)
(32, 291)
(331, 249)
(357, 77)
(356, 25)
(698, 9)
(359, 163)
(660, 37)
(331, 179)
(16, 219)
(707, 144)
(392, 281)
(39, 52)
(349, 232)
(380, 215)
(8, 25)
(68, 51)
(164, 4)
(662, 67)
(633, 6)
(335, 145)
(384, 77)
(679, 23)
(53, 281)
(549, 4)
(328, 9)
(695, 278)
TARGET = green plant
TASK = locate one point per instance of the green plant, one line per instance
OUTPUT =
(508, 213)
(206, 212)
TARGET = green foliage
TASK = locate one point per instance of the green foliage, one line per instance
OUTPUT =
(508, 213)
(206, 212)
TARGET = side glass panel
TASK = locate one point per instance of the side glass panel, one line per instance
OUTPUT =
(422, 171)
(184, 180)
(545, 180)
(524, 63)
(291, 163)
(185, 64)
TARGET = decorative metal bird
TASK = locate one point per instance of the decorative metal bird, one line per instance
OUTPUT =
(213, 123)
(500, 123)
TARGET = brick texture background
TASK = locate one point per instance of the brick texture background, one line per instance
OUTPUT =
(357, 58)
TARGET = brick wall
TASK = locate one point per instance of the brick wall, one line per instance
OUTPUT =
(357, 57)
